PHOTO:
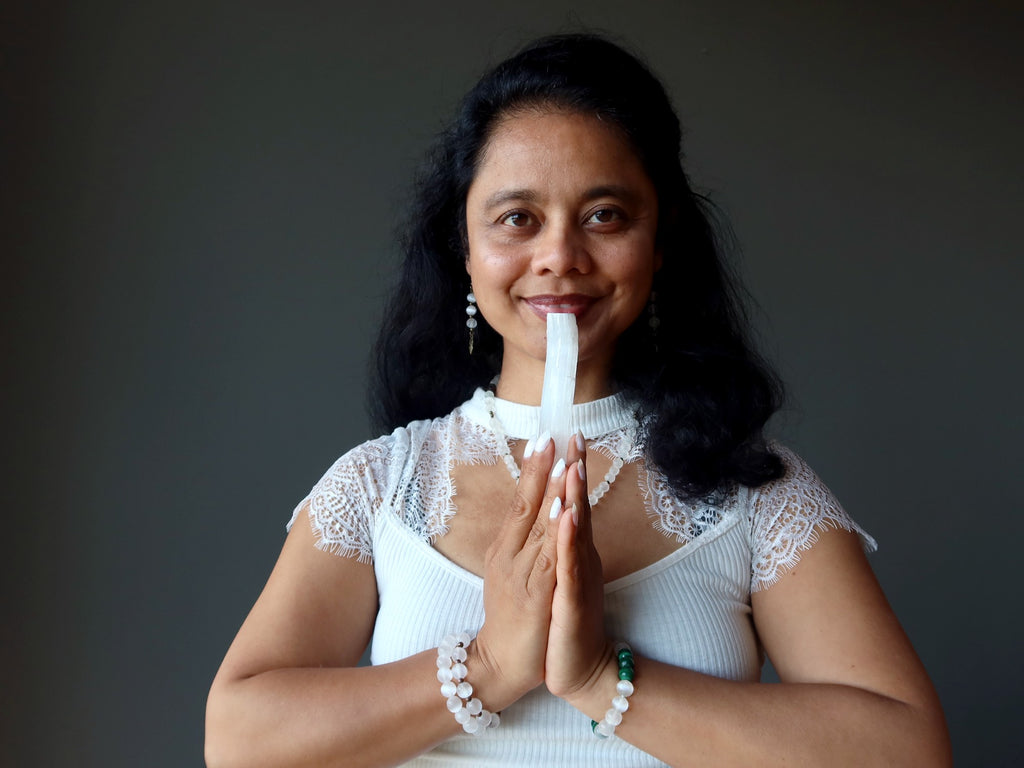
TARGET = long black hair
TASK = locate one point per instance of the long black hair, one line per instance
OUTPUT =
(701, 392)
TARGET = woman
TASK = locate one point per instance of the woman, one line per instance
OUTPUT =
(671, 524)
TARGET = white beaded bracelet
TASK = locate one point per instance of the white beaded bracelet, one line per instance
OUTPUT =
(451, 673)
(623, 690)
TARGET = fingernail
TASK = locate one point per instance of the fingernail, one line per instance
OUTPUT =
(581, 446)
(528, 450)
(575, 515)
(542, 441)
(581, 470)
(559, 468)
(556, 508)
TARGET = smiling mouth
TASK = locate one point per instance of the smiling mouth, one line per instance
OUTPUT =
(575, 304)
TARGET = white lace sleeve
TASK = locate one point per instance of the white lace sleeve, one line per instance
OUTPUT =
(786, 515)
(344, 502)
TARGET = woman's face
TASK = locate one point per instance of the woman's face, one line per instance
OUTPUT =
(561, 217)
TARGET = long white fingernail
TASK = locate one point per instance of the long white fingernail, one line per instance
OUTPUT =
(559, 468)
(528, 450)
(542, 441)
(581, 446)
(581, 470)
(556, 508)
(575, 515)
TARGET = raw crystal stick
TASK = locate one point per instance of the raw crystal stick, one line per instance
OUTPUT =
(559, 380)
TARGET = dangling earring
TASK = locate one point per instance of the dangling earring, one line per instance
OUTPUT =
(471, 320)
(652, 318)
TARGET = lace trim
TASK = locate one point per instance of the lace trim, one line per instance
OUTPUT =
(455, 440)
(338, 512)
(409, 473)
(682, 521)
(786, 516)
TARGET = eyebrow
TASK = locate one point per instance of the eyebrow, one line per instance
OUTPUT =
(610, 190)
(503, 196)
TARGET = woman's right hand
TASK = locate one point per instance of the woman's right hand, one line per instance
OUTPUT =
(519, 582)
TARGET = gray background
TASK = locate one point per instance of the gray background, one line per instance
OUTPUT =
(198, 204)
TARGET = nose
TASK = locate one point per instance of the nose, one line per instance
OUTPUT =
(561, 249)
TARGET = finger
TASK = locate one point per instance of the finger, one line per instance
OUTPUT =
(577, 449)
(529, 495)
(576, 497)
(539, 550)
(576, 453)
(568, 564)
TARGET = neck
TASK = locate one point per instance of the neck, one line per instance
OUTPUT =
(523, 382)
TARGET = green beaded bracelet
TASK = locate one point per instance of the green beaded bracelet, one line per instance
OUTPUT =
(623, 656)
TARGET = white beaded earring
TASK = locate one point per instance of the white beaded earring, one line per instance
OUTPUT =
(471, 320)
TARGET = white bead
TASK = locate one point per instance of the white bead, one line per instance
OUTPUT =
(471, 726)
(459, 672)
(624, 687)
(621, 646)
(462, 717)
(454, 703)
(613, 717)
(485, 718)
(514, 471)
(603, 487)
(444, 675)
(495, 720)
(464, 638)
(459, 654)
(471, 310)
(604, 729)
(465, 690)
(448, 689)
(471, 298)
(471, 323)
(620, 703)
(444, 662)
(474, 706)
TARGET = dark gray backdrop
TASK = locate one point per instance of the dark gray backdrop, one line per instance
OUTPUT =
(198, 207)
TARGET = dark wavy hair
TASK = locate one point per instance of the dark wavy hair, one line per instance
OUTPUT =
(701, 392)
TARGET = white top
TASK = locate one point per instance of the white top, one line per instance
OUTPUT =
(386, 500)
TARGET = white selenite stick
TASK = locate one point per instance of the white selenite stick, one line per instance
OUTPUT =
(559, 380)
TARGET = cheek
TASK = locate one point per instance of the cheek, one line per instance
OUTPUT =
(636, 285)
(490, 286)
(493, 268)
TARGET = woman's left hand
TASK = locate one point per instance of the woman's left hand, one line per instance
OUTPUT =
(577, 649)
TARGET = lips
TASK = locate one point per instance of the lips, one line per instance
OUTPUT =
(573, 303)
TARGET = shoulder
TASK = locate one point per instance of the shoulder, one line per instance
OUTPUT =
(343, 504)
(377, 457)
(786, 516)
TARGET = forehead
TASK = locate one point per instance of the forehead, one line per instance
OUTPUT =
(551, 148)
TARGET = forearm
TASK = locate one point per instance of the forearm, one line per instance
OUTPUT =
(359, 716)
(688, 719)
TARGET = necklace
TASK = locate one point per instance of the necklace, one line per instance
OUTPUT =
(513, 469)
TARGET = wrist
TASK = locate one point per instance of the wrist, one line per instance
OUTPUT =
(605, 697)
(460, 695)
(592, 696)
(493, 686)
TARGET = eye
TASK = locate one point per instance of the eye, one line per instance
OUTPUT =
(605, 216)
(516, 219)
